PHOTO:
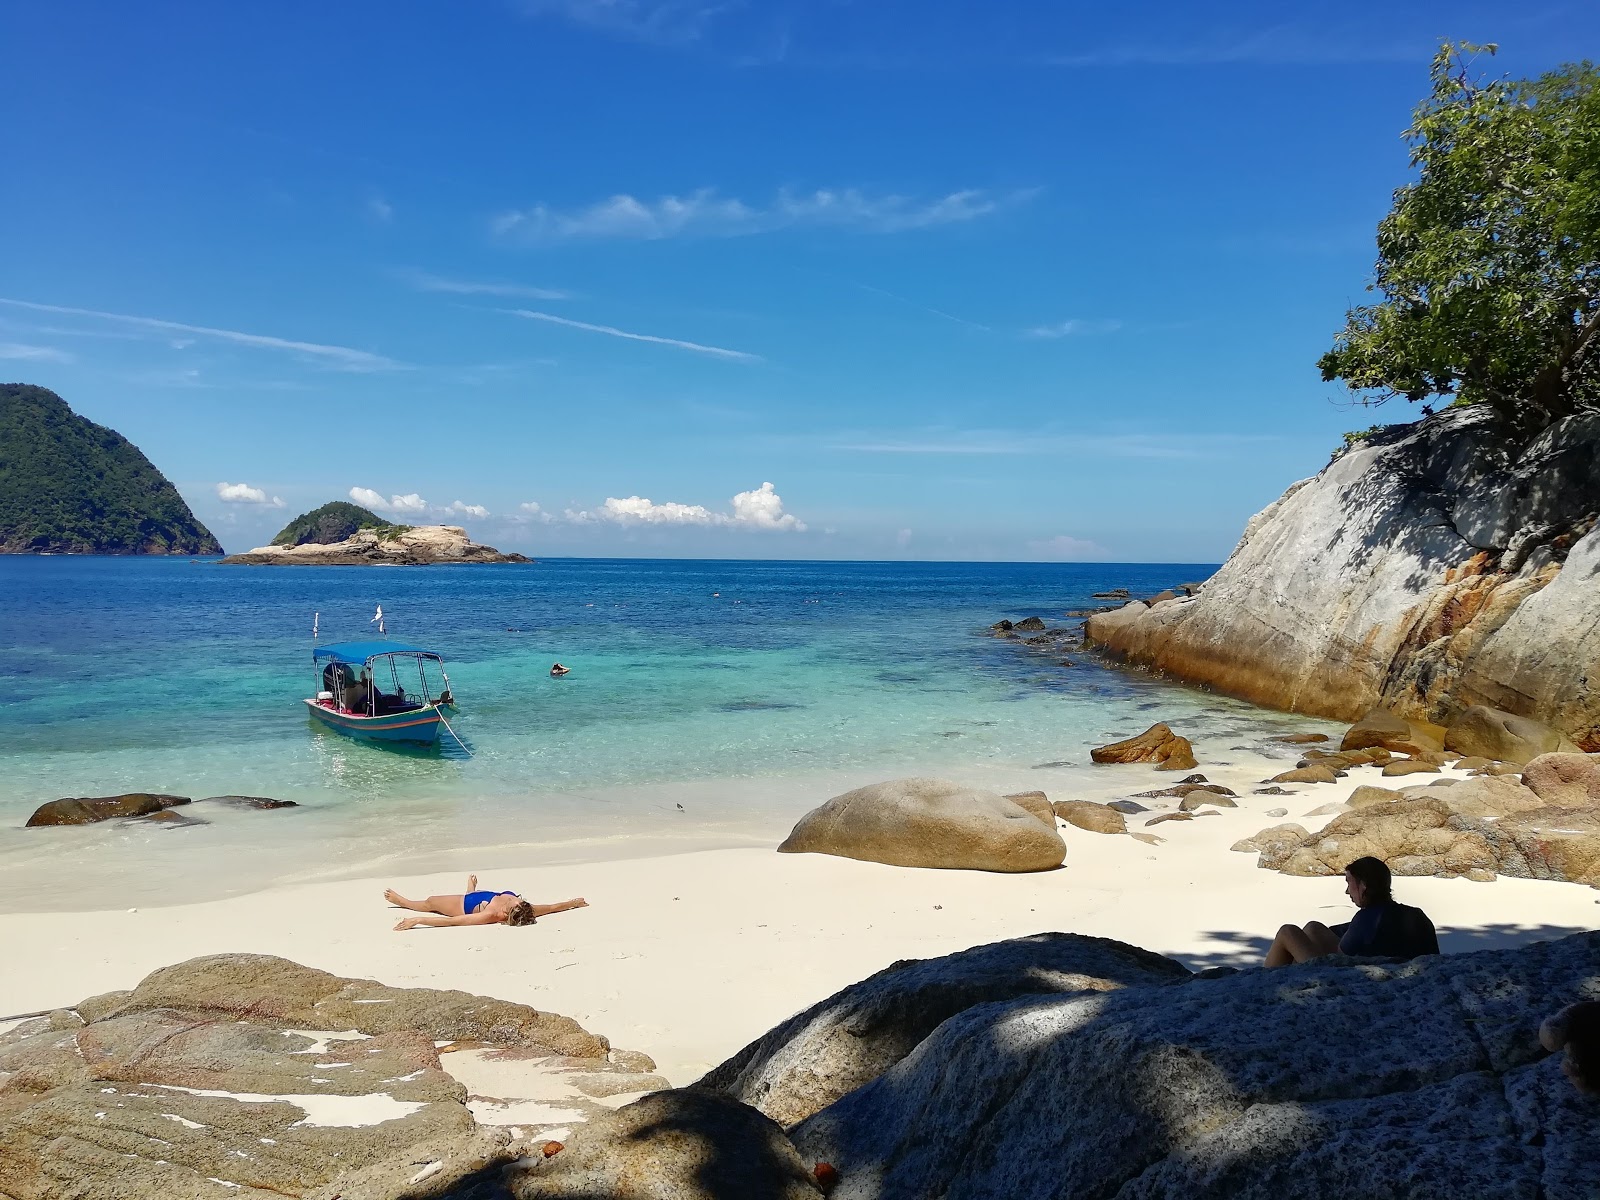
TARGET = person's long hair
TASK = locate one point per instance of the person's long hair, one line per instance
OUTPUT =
(1374, 876)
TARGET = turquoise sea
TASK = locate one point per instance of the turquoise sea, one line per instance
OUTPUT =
(708, 701)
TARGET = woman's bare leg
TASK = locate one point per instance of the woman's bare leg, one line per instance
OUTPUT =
(444, 906)
(1296, 945)
(544, 910)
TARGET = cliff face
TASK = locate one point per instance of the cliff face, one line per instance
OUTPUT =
(408, 547)
(69, 486)
(1440, 566)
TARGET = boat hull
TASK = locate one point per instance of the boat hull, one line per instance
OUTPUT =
(420, 725)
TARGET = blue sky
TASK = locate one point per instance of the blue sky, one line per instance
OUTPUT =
(958, 280)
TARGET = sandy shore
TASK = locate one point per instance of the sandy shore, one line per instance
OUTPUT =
(690, 955)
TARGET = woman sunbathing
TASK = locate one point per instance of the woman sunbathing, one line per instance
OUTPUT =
(1382, 928)
(476, 908)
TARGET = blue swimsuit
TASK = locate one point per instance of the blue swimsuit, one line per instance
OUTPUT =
(472, 901)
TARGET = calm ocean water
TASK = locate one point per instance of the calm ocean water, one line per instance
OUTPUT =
(746, 692)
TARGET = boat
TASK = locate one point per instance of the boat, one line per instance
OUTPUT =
(352, 698)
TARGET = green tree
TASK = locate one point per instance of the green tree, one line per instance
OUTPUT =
(1489, 262)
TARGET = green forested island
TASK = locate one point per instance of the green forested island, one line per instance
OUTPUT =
(69, 486)
(335, 522)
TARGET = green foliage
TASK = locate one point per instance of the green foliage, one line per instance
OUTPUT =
(69, 486)
(332, 523)
(1489, 262)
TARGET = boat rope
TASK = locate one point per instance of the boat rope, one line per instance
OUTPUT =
(454, 734)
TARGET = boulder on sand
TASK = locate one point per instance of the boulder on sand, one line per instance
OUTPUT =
(1096, 818)
(1380, 727)
(858, 1033)
(928, 823)
(1490, 733)
(1565, 780)
(1158, 744)
(86, 810)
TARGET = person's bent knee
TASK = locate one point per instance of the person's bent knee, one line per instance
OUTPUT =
(1289, 930)
(1317, 927)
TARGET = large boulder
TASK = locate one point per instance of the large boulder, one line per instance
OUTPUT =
(672, 1145)
(1424, 1080)
(928, 823)
(1565, 780)
(1158, 745)
(1489, 733)
(1383, 729)
(858, 1033)
(86, 810)
(1433, 566)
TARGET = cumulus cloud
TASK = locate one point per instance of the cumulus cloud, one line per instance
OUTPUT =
(1063, 546)
(531, 512)
(468, 510)
(243, 493)
(410, 503)
(758, 509)
(705, 213)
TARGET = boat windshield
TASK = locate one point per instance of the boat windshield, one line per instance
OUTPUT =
(375, 685)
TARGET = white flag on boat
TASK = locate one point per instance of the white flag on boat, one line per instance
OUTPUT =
(316, 617)
(377, 619)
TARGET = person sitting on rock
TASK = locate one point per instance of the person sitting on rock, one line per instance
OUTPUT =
(476, 908)
(1576, 1028)
(1382, 928)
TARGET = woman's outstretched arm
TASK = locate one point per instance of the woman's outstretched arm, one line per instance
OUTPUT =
(477, 918)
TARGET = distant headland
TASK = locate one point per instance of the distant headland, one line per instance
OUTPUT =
(69, 486)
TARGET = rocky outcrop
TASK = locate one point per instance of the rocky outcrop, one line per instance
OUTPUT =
(929, 823)
(1158, 745)
(1438, 566)
(858, 1033)
(673, 1145)
(1226, 1089)
(1479, 828)
(422, 545)
(86, 810)
(198, 1084)
(1489, 733)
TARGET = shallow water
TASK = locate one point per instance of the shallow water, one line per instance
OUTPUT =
(744, 692)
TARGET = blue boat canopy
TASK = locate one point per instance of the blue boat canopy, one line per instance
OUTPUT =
(357, 653)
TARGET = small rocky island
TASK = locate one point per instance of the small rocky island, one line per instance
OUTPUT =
(69, 486)
(346, 535)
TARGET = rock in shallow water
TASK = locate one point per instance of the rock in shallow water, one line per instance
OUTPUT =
(86, 810)
(1158, 744)
(929, 823)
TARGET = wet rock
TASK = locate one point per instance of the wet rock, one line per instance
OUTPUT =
(1179, 790)
(852, 1037)
(262, 802)
(1002, 626)
(1096, 818)
(172, 820)
(1128, 807)
(86, 810)
(1158, 744)
(1029, 625)
(1299, 739)
(928, 823)
(1494, 734)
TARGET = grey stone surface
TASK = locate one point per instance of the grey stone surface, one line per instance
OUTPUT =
(853, 1036)
(1490, 733)
(1332, 1079)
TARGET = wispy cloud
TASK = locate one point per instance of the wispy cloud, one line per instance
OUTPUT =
(25, 353)
(341, 356)
(705, 213)
(425, 282)
(243, 493)
(1280, 45)
(609, 331)
(380, 210)
(664, 22)
(1074, 327)
(929, 309)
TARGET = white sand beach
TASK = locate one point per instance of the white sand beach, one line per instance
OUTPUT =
(689, 955)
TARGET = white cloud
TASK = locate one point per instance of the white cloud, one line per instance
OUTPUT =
(1074, 328)
(341, 356)
(715, 351)
(758, 509)
(530, 511)
(468, 510)
(704, 213)
(409, 503)
(243, 493)
(26, 353)
(380, 209)
(1063, 546)
(425, 282)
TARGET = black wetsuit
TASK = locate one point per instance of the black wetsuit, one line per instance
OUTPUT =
(1389, 930)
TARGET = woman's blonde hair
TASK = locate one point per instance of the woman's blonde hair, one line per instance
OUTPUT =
(520, 914)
